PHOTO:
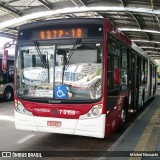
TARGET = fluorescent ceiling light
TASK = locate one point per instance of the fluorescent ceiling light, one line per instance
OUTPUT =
(75, 10)
(152, 52)
(142, 40)
(146, 47)
(138, 30)
(155, 55)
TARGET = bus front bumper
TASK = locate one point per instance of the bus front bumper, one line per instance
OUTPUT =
(94, 127)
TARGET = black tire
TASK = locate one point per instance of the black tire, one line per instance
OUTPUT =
(8, 94)
(142, 104)
(141, 107)
(124, 114)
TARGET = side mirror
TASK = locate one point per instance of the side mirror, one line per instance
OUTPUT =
(4, 61)
(116, 76)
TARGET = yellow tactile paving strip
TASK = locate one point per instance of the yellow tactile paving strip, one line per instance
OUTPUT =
(150, 135)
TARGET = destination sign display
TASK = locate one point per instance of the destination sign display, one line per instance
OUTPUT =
(66, 31)
(62, 33)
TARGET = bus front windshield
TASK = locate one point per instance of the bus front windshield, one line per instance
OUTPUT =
(68, 72)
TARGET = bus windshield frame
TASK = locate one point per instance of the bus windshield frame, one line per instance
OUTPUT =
(79, 90)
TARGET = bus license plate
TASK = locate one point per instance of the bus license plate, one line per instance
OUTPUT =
(54, 123)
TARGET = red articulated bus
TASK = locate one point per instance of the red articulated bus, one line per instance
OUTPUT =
(78, 76)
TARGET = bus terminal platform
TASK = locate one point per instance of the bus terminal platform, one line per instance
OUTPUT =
(141, 140)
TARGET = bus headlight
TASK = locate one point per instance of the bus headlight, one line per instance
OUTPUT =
(20, 108)
(94, 112)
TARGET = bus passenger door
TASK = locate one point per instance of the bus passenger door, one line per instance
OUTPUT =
(133, 80)
(139, 87)
(151, 68)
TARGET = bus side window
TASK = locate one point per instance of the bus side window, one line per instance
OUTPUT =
(10, 68)
(145, 71)
(113, 62)
(124, 65)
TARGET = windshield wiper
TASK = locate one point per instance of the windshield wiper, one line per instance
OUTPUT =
(66, 64)
(45, 65)
(67, 59)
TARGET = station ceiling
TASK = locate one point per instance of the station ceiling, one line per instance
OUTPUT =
(137, 19)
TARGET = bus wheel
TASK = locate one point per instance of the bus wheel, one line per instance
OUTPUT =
(123, 118)
(142, 104)
(8, 94)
